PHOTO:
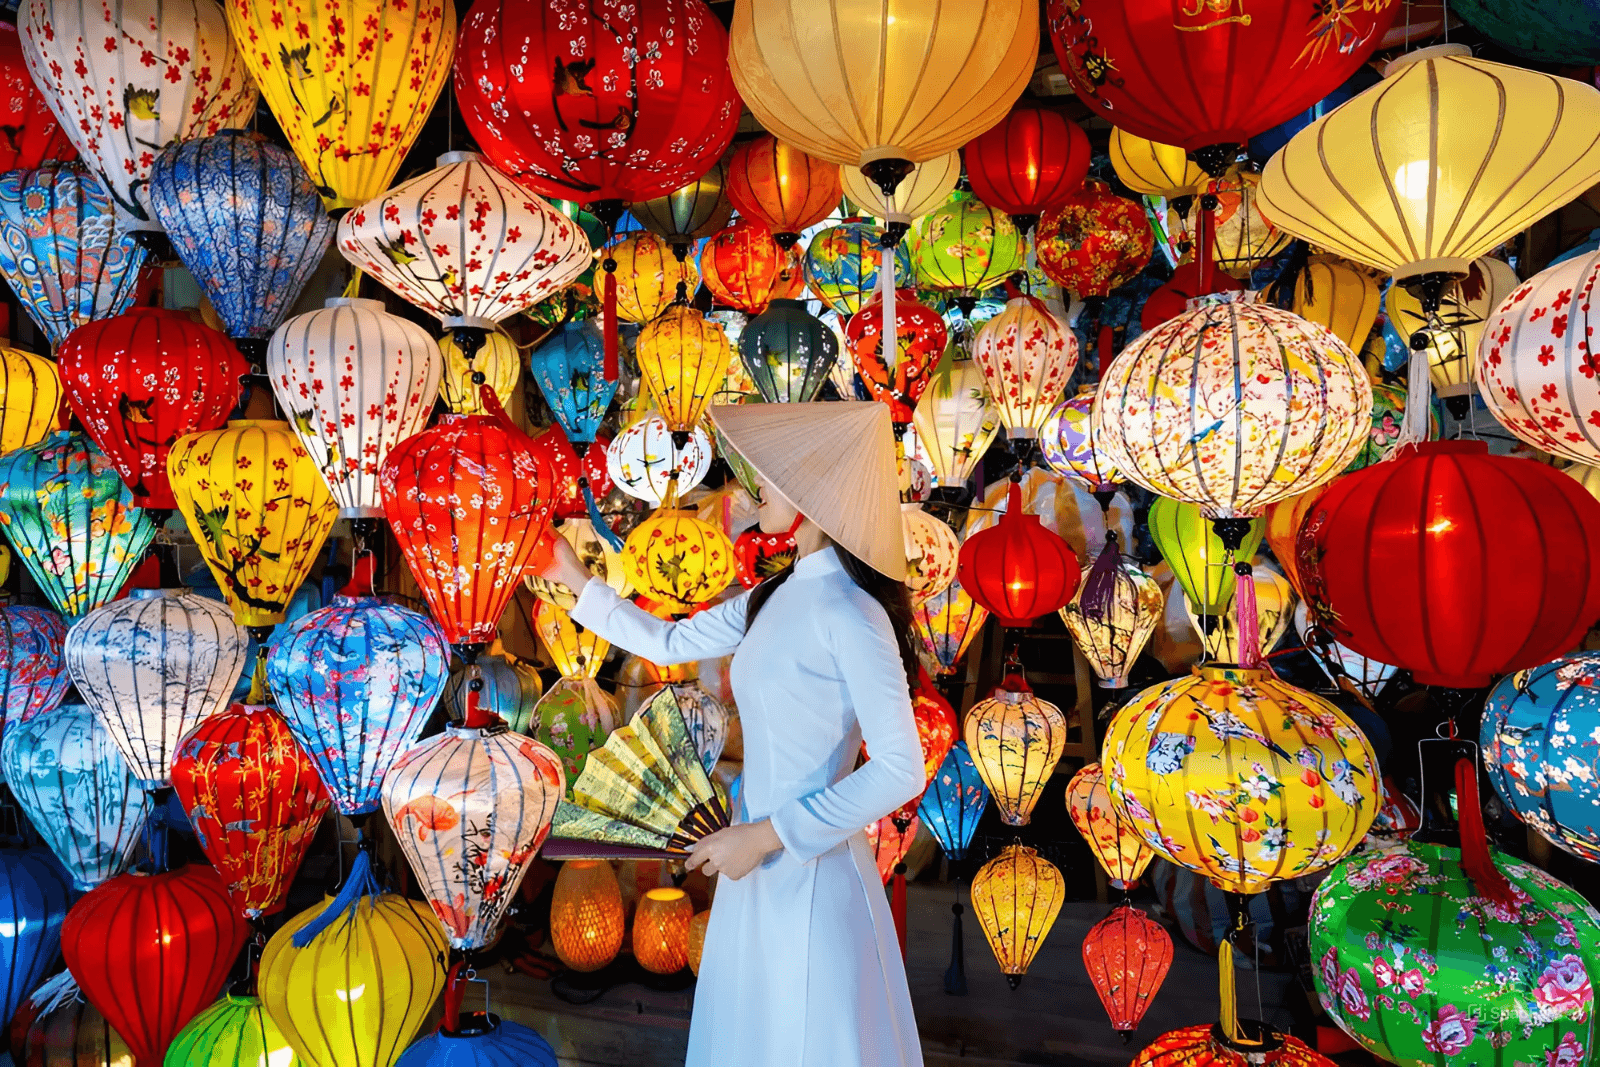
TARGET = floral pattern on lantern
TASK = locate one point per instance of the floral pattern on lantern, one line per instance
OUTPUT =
(1093, 242)
(746, 268)
(947, 622)
(1026, 354)
(1016, 897)
(956, 420)
(1112, 636)
(33, 674)
(1016, 740)
(788, 352)
(1127, 955)
(678, 560)
(890, 841)
(587, 920)
(920, 338)
(931, 551)
(646, 462)
(842, 265)
(683, 359)
(37, 135)
(499, 361)
(568, 368)
(1116, 844)
(574, 718)
(1206, 1046)
(966, 246)
(648, 276)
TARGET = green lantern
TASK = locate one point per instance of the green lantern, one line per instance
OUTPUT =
(233, 1032)
(1196, 555)
(1423, 970)
(511, 689)
(575, 717)
(967, 246)
(1388, 415)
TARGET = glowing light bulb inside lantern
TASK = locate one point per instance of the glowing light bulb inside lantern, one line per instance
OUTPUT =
(1413, 180)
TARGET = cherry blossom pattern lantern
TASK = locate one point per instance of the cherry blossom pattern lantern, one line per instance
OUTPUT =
(1029, 162)
(1016, 897)
(1127, 955)
(1112, 631)
(890, 844)
(843, 262)
(568, 370)
(646, 461)
(1026, 353)
(931, 552)
(947, 623)
(1110, 835)
(1016, 740)
(1209, 1046)
(788, 352)
(677, 560)
(1240, 777)
(1094, 241)
(37, 136)
(33, 675)
(927, 186)
(956, 420)
(683, 359)
(746, 269)
(1017, 569)
(1067, 445)
(919, 337)
(1459, 609)
(782, 188)
(143, 379)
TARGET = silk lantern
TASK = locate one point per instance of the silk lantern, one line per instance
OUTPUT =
(1209, 1046)
(661, 930)
(1563, 32)
(954, 801)
(1174, 761)
(257, 507)
(234, 1032)
(143, 379)
(1284, 520)
(587, 920)
(1026, 354)
(30, 396)
(131, 77)
(646, 461)
(1117, 846)
(498, 360)
(1339, 296)
(577, 652)
(153, 667)
(890, 844)
(956, 420)
(788, 352)
(355, 382)
(1151, 168)
(1453, 333)
(600, 557)
(247, 222)
(931, 552)
(33, 902)
(1016, 740)
(843, 261)
(678, 560)
(919, 338)
(781, 187)
(61, 251)
(1017, 569)
(1112, 634)
(56, 1027)
(682, 358)
(746, 269)
(509, 688)
(648, 277)
(568, 367)
(478, 1039)
(151, 950)
(937, 726)
(72, 782)
(350, 110)
(72, 521)
(1459, 610)
(1067, 445)
(33, 675)
(1093, 242)
(254, 800)
(693, 211)
(576, 716)
(34, 134)
(1226, 637)
(1241, 237)
(1028, 162)
(947, 622)
(928, 185)
(1017, 896)
(967, 246)
(1127, 955)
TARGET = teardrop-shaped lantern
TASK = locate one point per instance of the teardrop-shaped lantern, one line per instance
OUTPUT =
(33, 674)
(920, 338)
(34, 895)
(1026, 353)
(500, 363)
(1110, 835)
(683, 358)
(569, 370)
(954, 801)
(956, 420)
(648, 277)
(1127, 955)
(788, 352)
(1016, 897)
(1016, 740)
(1113, 632)
(236, 1031)
(1202, 563)
(575, 717)
(931, 552)
(947, 622)
(578, 652)
(30, 396)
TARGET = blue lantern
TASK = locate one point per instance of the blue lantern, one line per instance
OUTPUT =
(842, 265)
(568, 368)
(954, 802)
(75, 787)
(61, 251)
(34, 895)
(357, 681)
(71, 519)
(788, 352)
(1541, 744)
(247, 222)
(33, 676)
(480, 1040)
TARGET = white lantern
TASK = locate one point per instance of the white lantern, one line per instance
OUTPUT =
(931, 552)
(1026, 354)
(127, 78)
(643, 460)
(1367, 675)
(956, 421)
(152, 667)
(354, 381)
(927, 186)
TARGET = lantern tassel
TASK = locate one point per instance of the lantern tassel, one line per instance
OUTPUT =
(455, 988)
(897, 905)
(891, 332)
(1100, 586)
(1228, 1016)
(1244, 610)
(1419, 402)
(362, 881)
(598, 520)
(609, 313)
(1476, 859)
(955, 977)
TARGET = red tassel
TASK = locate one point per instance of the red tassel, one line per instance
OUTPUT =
(455, 987)
(1476, 859)
(609, 312)
(361, 575)
(476, 716)
(1204, 253)
(897, 905)
(1102, 352)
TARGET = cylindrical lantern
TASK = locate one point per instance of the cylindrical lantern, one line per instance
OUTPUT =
(33, 674)
(234, 1032)
(929, 185)
(683, 358)
(920, 338)
(1016, 740)
(967, 246)
(746, 269)
(842, 264)
(1029, 162)
(661, 930)
(781, 187)
(587, 921)
(956, 420)
(1111, 836)
(1016, 897)
(1112, 633)
(648, 276)
(1017, 569)
(954, 802)
(30, 395)
(678, 560)
(1151, 168)
(1339, 296)
(1127, 955)
(788, 352)
(56, 1027)
(1094, 241)
(1026, 354)
(499, 361)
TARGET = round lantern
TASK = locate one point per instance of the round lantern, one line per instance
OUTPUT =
(75, 787)
(34, 134)
(1127, 955)
(510, 689)
(568, 370)
(646, 462)
(467, 559)
(355, 381)
(842, 264)
(1339, 296)
(683, 359)
(956, 420)
(1151, 168)
(1240, 777)
(153, 667)
(34, 895)
(1241, 237)
(174, 934)
(257, 508)
(1093, 241)
(919, 340)
(694, 210)
(587, 920)
(479, 1039)
(61, 251)
(131, 77)
(779, 186)
(1340, 663)
(746, 269)
(1017, 569)
(947, 622)
(1026, 354)
(600, 557)
(1029, 162)
(678, 560)
(1112, 632)
(1424, 527)
(1068, 447)
(72, 521)
(967, 246)
(1209, 1046)
(1110, 835)
(56, 1027)
(626, 105)
(661, 930)
(386, 943)
(1433, 988)
(928, 185)
(30, 396)
(1222, 634)
(1454, 332)
(788, 352)
(1232, 406)
(1016, 740)
(470, 808)
(1016, 897)
(648, 277)
(954, 801)
(931, 552)
(143, 379)
(33, 674)
(498, 360)
(234, 1032)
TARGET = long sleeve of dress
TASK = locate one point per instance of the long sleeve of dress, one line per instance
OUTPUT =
(863, 643)
(716, 631)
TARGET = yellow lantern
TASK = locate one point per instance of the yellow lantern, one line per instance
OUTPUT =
(350, 101)
(947, 622)
(1274, 609)
(576, 651)
(929, 184)
(1454, 330)
(1016, 740)
(1151, 168)
(697, 938)
(1243, 237)
(683, 359)
(955, 420)
(661, 930)
(1240, 777)
(499, 361)
(1016, 897)
(647, 277)
(1339, 296)
(1582, 473)
(601, 560)
(678, 560)
(587, 921)
(257, 508)
(1116, 845)
(30, 395)
(1112, 638)
(360, 991)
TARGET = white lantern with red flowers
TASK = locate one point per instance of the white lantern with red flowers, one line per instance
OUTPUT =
(1027, 353)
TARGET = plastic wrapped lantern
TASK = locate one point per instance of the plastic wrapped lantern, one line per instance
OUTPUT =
(1453, 334)
(956, 420)
(927, 186)
(568, 368)
(646, 461)
(510, 688)
(30, 397)
(257, 507)
(1111, 634)
(920, 337)
(154, 667)
(1110, 835)
(1127, 955)
(954, 801)
(966, 246)
(779, 186)
(143, 379)
(37, 135)
(1175, 761)
(1223, 634)
(1067, 444)
(1026, 354)
(1094, 241)
(931, 552)
(947, 622)
(842, 264)
(72, 521)
(587, 918)
(683, 358)
(1016, 897)
(648, 277)
(236, 1031)
(678, 560)
(1017, 569)
(746, 269)
(33, 674)
(1027, 163)
(1016, 740)
(61, 251)
(788, 352)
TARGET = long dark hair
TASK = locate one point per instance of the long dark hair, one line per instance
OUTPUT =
(893, 595)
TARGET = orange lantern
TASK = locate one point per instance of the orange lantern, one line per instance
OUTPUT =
(781, 187)
(1127, 955)
(697, 938)
(746, 268)
(587, 920)
(919, 339)
(1116, 844)
(661, 930)
(889, 842)
(1283, 531)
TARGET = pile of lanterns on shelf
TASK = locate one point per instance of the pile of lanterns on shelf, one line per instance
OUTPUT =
(606, 198)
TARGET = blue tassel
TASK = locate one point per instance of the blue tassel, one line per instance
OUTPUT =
(361, 882)
(598, 520)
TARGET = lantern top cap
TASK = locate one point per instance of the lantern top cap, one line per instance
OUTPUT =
(364, 302)
(1421, 55)
(451, 158)
(152, 594)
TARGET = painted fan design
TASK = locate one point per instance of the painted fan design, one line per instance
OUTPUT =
(643, 794)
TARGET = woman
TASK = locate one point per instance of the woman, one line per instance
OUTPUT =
(801, 966)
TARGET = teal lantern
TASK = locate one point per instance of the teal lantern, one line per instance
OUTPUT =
(967, 246)
(1552, 31)
(569, 369)
(788, 352)
(842, 264)
(71, 519)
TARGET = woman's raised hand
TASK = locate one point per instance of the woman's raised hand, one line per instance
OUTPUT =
(563, 565)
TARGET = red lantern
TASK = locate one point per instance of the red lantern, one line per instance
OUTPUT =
(254, 800)
(920, 336)
(889, 843)
(1209, 76)
(1453, 564)
(469, 500)
(571, 472)
(1207, 1046)
(1127, 955)
(625, 105)
(936, 730)
(758, 556)
(32, 133)
(745, 268)
(150, 950)
(142, 379)
(781, 187)
(1016, 568)
(1031, 162)
(1094, 242)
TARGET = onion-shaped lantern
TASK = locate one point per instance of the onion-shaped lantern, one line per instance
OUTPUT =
(1110, 835)
(1151, 168)
(1240, 777)
(842, 264)
(947, 622)
(33, 674)
(34, 133)
(648, 277)
(509, 688)
(646, 461)
(966, 246)
(236, 1031)
(781, 187)
(569, 371)
(927, 186)
(678, 560)
(56, 1027)
(1016, 897)
(479, 1039)
(931, 552)
(1067, 444)
(683, 358)
(746, 269)
(1112, 631)
(956, 420)
(693, 211)
(919, 335)
(1094, 241)
(587, 918)
(1017, 569)
(1210, 1046)
(500, 363)
(1016, 740)
(1338, 295)
(954, 801)
(788, 352)
(1026, 353)
(1027, 163)
(1452, 333)
(30, 397)
(142, 380)
(1127, 955)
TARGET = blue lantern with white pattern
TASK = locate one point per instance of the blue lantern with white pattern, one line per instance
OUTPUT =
(480, 1039)
(954, 802)
(569, 369)
(34, 894)
(33, 676)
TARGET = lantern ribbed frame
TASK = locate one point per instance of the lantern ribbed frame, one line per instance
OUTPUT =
(576, 651)
(1016, 740)
(511, 689)
(56, 1027)
(966, 246)
(954, 801)
(1018, 569)
(647, 276)
(573, 718)
(781, 187)
(1028, 162)
(499, 360)
(1116, 844)
(1275, 602)
(683, 358)
(33, 673)
(1340, 296)
(34, 896)
(956, 420)
(1243, 236)
(661, 930)
(1066, 442)
(236, 1031)
(568, 370)
(932, 549)
(929, 185)
(1151, 168)
(842, 264)
(746, 268)
(1464, 310)
(695, 210)
(599, 558)
(30, 398)
(1368, 675)
(947, 622)
(645, 462)
(1127, 955)
(1112, 643)
(700, 556)
(1026, 353)
(483, 1040)
(788, 352)
(890, 844)
(1204, 1046)
(1016, 897)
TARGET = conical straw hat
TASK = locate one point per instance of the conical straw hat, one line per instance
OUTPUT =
(834, 461)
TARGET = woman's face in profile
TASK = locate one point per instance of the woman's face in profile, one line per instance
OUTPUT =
(776, 513)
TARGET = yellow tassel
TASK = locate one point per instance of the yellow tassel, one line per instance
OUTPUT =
(353, 290)
(258, 679)
(1230, 1003)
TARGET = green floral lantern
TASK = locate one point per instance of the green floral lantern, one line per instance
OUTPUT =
(1388, 415)
(967, 246)
(233, 1032)
(1423, 970)
(574, 718)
